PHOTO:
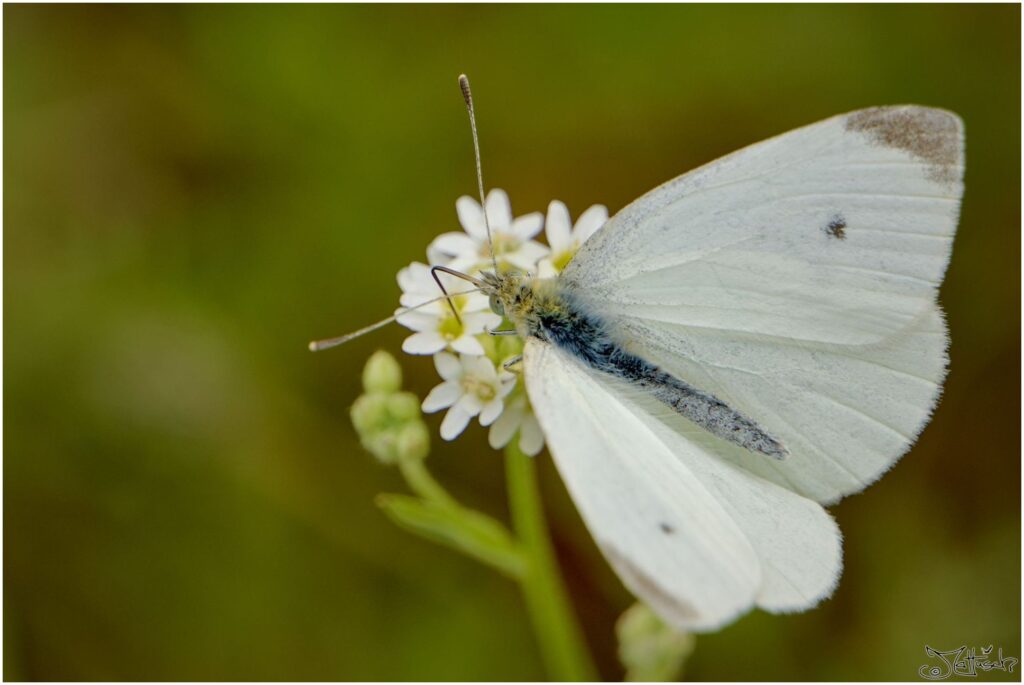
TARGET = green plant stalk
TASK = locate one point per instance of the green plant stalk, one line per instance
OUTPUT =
(562, 646)
(422, 483)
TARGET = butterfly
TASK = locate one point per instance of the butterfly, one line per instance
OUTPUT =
(739, 347)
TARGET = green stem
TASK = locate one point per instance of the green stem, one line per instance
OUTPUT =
(561, 641)
(422, 483)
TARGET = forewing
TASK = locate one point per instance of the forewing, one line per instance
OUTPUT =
(698, 539)
(838, 232)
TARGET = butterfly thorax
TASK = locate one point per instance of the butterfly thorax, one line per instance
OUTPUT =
(538, 307)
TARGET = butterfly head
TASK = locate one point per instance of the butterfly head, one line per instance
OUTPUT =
(510, 293)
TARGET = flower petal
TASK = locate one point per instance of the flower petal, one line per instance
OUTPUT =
(453, 285)
(442, 397)
(419, 300)
(546, 268)
(470, 404)
(406, 280)
(454, 244)
(527, 226)
(421, 277)
(490, 411)
(508, 382)
(558, 227)
(478, 322)
(436, 256)
(418, 321)
(425, 342)
(527, 256)
(504, 427)
(588, 222)
(476, 302)
(455, 421)
(499, 209)
(482, 368)
(467, 344)
(470, 263)
(448, 366)
(531, 438)
(471, 217)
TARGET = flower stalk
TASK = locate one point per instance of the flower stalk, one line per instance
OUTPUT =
(558, 634)
(419, 480)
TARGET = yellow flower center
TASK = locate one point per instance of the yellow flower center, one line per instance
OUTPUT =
(562, 259)
(484, 391)
(503, 243)
(450, 327)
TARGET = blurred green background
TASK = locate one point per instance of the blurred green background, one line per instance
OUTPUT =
(194, 192)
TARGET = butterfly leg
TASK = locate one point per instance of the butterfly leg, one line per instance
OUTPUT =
(512, 361)
(508, 332)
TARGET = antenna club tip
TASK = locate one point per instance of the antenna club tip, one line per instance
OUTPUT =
(313, 347)
(466, 94)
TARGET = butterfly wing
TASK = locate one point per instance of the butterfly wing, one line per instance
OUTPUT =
(836, 232)
(796, 280)
(700, 540)
(845, 413)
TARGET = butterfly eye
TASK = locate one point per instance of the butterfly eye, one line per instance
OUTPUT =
(496, 306)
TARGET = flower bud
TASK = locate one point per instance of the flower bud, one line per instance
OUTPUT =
(370, 413)
(648, 648)
(383, 445)
(413, 441)
(389, 422)
(404, 406)
(382, 373)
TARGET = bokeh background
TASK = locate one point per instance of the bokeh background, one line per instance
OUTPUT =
(191, 193)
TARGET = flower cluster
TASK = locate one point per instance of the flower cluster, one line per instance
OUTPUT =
(471, 362)
(387, 419)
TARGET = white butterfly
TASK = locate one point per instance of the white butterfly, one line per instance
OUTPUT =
(742, 344)
(739, 346)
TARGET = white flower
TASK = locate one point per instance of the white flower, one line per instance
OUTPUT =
(418, 286)
(472, 387)
(436, 328)
(564, 238)
(518, 415)
(513, 238)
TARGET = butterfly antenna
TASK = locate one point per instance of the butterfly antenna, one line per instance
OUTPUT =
(458, 274)
(318, 345)
(467, 95)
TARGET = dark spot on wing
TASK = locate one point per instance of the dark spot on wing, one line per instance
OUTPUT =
(836, 227)
(666, 528)
(931, 135)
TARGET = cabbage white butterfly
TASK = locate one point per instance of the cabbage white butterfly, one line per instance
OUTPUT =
(739, 346)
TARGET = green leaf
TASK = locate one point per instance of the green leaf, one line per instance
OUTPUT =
(468, 531)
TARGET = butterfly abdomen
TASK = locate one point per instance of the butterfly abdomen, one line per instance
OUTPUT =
(567, 325)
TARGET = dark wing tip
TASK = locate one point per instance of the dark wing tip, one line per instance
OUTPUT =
(934, 136)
